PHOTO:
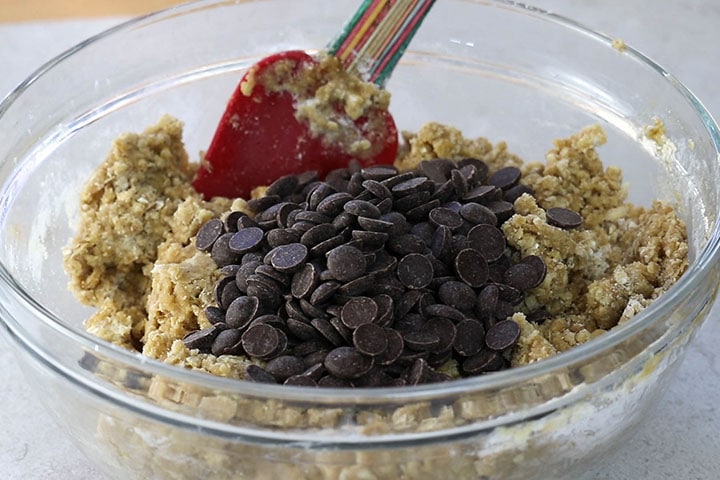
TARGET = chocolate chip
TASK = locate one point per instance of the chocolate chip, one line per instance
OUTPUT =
(324, 247)
(505, 178)
(232, 219)
(503, 310)
(419, 372)
(395, 347)
(347, 363)
(563, 218)
(315, 370)
(487, 301)
(324, 292)
(420, 212)
(521, 276)
(408, 202)
(480, 167)
(444, 216)
(538, 316)
(471, 267)
(246, 239)
(245, 222)
(263, 203)
(281, 236)
(377, 189)
(370, 239)
(300, 381)
(241, 312)
(201, 339)
(539, 266)
(424, 230)
(421, 341)
(406, 302)
(304, 281)
(459, 183)
(311, 310)
(317, 234)
(358, 311)
(411, 185)
(288, 258)
(488, 240)
(330, 333)
(214, 314)
(362, 208)
(469, 338)
(442, 328)
(257, 374)
(470, 173)
(346, 263)
(302, 330)
(444, 192)
(244, 272)
(333, 203)
(357, 287)
(442, 242)
(227, 293)
(510, 294)
(208, 233)
(502, 209)
(406, 243)
(318, 192)
(482, 194)
(378, 173)
(444, 311)
(513, 193)
(221, 253)
(284, 211)
(345, 332)
(437, 170)
(415, 271)
(261, 340)
(386, 308)
(313, 217)
(285, 366)
(375, 224)
(370, 339)
(283, 186)
(476, 213)
(331, 381)
(483, 362)
(457, 294)
(227, 342)
(309, 347)
(270, 273)
(503, 335)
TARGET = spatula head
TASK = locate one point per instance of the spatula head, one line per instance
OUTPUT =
(260, 138)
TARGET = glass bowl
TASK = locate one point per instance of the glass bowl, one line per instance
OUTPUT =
(492, 68)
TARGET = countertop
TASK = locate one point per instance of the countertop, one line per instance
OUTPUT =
(680, 440)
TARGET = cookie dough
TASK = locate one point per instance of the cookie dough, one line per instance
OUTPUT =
(134, 258)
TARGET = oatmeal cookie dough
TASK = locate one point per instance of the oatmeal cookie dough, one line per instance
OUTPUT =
(138, 212)
(328, 95)
(134, 257)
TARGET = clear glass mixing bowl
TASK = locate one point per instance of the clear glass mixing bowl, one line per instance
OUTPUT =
(493, 68)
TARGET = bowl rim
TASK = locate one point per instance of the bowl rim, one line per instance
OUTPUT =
(695, 274)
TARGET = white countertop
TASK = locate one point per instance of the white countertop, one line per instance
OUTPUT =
(680, 440)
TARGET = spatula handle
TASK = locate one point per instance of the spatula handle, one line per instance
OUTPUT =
(375, 38)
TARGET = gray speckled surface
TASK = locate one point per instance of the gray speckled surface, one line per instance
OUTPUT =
(680, 440)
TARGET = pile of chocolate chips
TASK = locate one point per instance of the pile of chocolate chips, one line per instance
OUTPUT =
(371, 277)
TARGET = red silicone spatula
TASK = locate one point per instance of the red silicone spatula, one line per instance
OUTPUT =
(260, 136)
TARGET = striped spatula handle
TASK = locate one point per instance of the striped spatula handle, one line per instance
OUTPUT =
(375, 38)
